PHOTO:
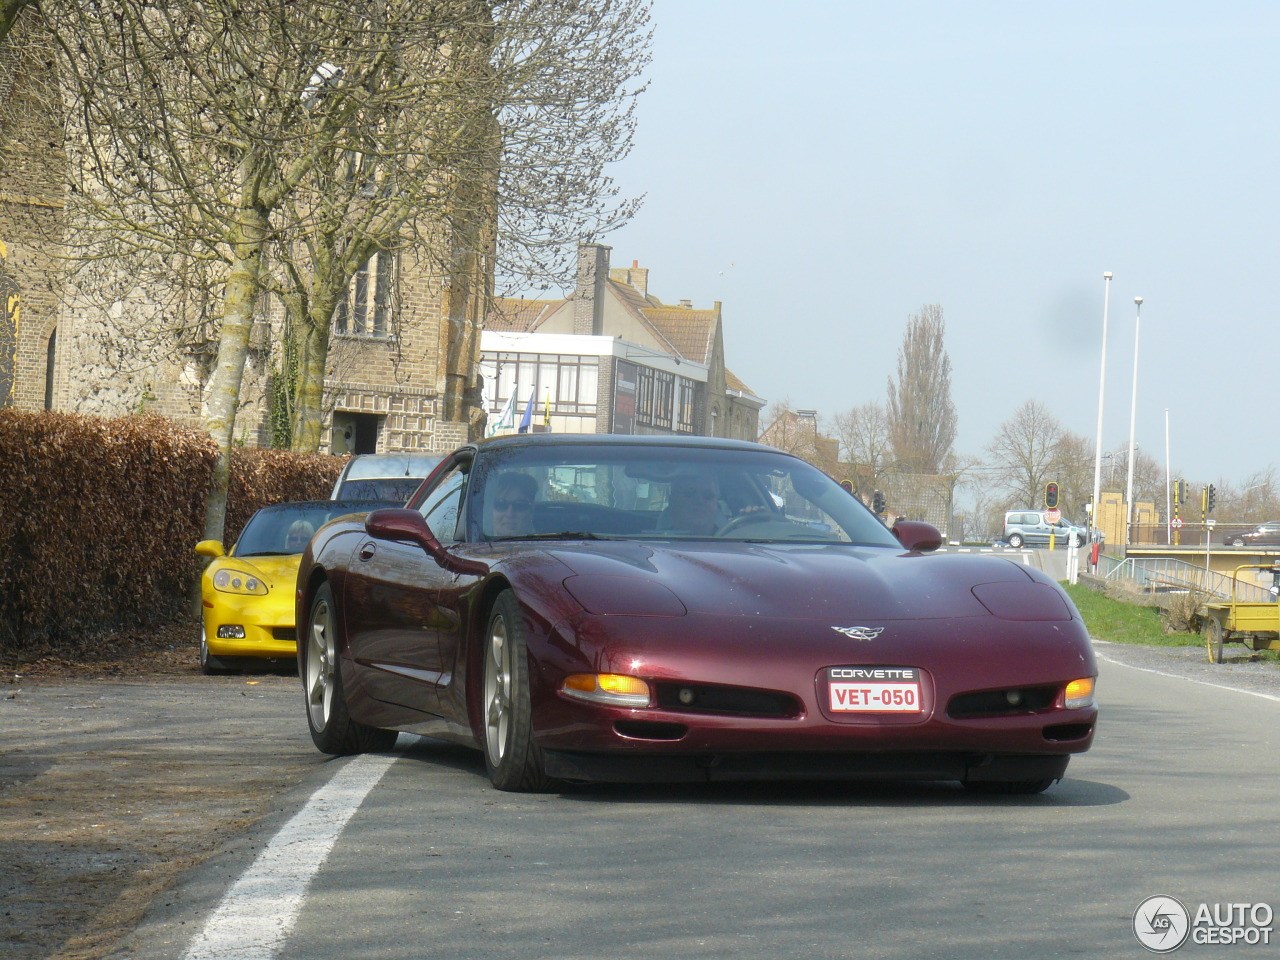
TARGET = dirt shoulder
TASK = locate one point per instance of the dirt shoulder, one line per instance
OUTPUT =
(119, 774)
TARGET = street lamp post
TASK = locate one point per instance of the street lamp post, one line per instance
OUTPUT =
(1102, 383)
(1133, 421)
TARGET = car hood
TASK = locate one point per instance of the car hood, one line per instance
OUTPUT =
(833, 583)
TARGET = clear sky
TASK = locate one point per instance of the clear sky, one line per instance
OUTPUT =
(826, 167)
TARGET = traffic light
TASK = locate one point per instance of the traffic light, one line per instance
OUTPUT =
(1179, 491)
(1211, 498)
(848, 486)
(877, 503)
(1050, 495)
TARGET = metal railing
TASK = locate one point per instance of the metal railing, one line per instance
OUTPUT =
(1168, 574)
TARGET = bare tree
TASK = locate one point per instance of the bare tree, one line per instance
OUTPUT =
(1072, 471)
(801, 435)
(1024, 453)
(216, 133)
(922, 418)
(864, 435)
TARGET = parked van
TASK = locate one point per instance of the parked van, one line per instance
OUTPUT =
(1029, 528)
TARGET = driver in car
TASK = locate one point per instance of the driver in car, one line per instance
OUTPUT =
(298, 536)
(510, 496)
(693, 505)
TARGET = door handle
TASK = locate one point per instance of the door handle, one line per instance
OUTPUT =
(367, 551)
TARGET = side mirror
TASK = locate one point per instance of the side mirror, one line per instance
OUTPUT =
(211, 548)
(917, 535)
(408, 526)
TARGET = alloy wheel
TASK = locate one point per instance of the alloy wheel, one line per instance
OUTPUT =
(320, 660)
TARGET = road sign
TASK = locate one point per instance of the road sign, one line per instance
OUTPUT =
(1052, 515)
(1177, 523)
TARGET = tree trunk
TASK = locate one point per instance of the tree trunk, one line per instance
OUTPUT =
(239, 300)
(313, 356)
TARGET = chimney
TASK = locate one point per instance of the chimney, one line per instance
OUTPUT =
(639, 278)
(588, 296)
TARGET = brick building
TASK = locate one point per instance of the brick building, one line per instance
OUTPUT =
(123, 343)
(613, 358)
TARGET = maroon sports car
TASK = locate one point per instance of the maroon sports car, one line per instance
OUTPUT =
(612, 608)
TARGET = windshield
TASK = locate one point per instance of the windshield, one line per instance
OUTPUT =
(652, 492)
(392, 489)
(285, 528)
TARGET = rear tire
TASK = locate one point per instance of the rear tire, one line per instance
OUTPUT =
(332, 729)
(511, 757)
(1015, 540)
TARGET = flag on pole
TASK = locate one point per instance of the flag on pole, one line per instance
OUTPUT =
(527, 419)
(507, 418)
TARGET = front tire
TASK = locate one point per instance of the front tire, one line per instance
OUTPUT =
(210, 665)
(332, 729)
(1015, 540)
(511, 757)
(1213, 639)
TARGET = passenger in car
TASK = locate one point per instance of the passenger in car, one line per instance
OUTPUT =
(510, 498)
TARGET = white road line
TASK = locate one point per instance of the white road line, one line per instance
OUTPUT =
(257, 914)
(1177, 676)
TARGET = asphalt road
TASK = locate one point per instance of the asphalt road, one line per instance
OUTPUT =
(1178, 797)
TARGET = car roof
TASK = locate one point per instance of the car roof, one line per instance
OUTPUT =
(386, 466)
(618, 439)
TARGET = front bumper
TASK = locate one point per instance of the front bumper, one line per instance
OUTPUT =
(268, 627)
(667, 768)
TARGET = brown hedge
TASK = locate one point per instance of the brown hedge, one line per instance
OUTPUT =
(98, 518)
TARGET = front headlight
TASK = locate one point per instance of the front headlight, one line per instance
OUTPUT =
(237, 581)
(612, 689)
(1079, 693)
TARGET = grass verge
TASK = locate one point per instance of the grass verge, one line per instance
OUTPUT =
(1120, 622)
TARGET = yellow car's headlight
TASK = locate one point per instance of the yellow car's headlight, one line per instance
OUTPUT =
(237, 581)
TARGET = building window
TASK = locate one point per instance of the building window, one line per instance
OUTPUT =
(568, 383)
(684, 405)
(366, 309)
(664, 401)
(50, 365)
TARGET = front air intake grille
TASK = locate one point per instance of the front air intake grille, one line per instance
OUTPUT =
(997, 703)
(289, 634)
(732, 701)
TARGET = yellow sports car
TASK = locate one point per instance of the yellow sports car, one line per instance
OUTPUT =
(247, 594)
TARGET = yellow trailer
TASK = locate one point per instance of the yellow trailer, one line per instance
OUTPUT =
(1256, 624)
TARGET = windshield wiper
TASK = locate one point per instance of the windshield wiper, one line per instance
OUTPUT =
(562, 535)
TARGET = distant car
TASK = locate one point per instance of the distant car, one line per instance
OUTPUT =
(383, 476)
(626, 609)
(1029, 528)
(1263, 534)
(247, 595)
